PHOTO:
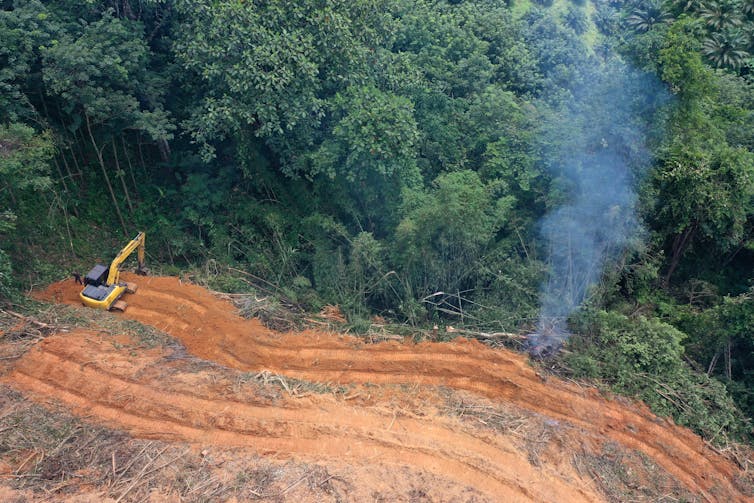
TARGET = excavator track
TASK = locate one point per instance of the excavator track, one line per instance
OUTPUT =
(119, 305)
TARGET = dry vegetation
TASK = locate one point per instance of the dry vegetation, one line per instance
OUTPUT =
(618, 473)
(46, 453)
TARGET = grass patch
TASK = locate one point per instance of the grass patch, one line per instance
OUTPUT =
(41, 319)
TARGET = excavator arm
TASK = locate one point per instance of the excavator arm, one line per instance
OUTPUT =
(136, 243)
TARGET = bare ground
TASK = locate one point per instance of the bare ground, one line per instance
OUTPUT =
(249, 413)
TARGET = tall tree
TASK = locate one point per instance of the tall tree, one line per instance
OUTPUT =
(706, 187)
(98, 73)
(25, 157)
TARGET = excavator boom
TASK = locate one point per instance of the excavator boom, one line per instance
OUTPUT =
(136, 243)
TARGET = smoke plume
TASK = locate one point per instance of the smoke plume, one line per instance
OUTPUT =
(597, 157)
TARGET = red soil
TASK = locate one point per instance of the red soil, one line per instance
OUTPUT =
(92, 377)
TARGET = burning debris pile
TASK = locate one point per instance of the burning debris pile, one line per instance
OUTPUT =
(547, 340)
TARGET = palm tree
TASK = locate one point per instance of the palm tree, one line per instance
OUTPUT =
(721, 15)
(726, 49)
(577, 20)
(747, 6)
(688, 5)
(647, 15)
(747, 33)
(605, 19)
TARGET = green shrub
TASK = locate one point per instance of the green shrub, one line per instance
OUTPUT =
(6, 275)
(446, 230)
(643, 358)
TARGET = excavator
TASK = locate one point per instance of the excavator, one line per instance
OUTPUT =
(102, 286)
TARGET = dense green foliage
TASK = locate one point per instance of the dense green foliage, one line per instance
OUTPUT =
(396, 157)
(644, 358)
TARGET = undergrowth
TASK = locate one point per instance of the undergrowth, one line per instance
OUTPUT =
(54, 456)
(644, 358)
(63, 318)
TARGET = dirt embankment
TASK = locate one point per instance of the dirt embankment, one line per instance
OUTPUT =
(89, 374)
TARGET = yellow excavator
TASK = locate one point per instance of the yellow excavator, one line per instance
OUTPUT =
(102, 286)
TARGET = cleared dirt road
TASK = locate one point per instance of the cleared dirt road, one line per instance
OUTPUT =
(83, 372)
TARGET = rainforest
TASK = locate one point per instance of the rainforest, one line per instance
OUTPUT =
(567, 179)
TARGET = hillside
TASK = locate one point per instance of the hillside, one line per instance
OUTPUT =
(345, 188)
(388, 421)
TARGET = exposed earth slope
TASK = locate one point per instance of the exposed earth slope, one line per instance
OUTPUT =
(391, 410)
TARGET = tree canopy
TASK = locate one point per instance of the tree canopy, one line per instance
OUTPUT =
(405, 158)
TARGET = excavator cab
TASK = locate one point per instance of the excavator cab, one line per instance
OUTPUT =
(97, 276)
(102, 286)
(94, 284)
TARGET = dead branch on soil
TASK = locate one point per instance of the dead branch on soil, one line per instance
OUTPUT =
(271, 312)
(489, 416)
(144, 475)
(56, 457)
(20, 332)
(294, 387)
(26, 327)
(488, 335)
(622, 474)
(378, 333)
(741, 455)
(29, 319)
(332, 313)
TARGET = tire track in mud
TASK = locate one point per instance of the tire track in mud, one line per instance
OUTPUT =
(65, 367)
(220, 335)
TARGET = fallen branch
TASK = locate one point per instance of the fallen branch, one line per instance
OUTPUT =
(139, 478)
(21, 466)
(129, 464)
(306, 475)
(497, 335)
(488, 335)
(385, 337)
(28, 319)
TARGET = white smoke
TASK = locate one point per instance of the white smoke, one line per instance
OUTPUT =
(598, 161)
